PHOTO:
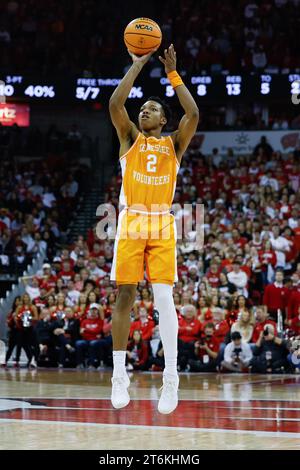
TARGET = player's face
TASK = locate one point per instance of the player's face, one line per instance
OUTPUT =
(151, 116)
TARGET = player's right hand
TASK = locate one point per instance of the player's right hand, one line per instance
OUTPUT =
(142, 60)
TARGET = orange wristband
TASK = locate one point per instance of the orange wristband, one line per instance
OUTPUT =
(175, 79)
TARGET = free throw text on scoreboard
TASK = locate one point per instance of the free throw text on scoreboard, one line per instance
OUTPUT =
(205, 88)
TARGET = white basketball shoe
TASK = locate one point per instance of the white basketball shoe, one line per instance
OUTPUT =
(169, 397)
(119, 394)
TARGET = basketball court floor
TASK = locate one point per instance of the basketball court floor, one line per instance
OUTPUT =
(50, 409)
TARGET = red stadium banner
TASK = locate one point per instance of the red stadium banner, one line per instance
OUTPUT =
(14, 114)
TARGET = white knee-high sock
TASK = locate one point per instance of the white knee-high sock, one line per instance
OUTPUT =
(168, 325)
(119, 358)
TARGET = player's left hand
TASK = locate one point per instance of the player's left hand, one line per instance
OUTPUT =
(170, 59)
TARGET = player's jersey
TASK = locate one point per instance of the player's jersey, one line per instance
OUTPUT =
(149, 171)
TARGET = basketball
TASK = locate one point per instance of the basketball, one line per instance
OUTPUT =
(142, 35)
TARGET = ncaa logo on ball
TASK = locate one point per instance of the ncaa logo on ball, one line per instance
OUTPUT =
(144, 26)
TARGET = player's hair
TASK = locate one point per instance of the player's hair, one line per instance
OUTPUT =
(164, 105)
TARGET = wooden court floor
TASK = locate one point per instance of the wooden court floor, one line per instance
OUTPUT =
(50, 409)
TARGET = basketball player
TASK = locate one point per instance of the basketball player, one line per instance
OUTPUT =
(149, 165)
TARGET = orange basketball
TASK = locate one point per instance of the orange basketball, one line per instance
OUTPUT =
(142, 35)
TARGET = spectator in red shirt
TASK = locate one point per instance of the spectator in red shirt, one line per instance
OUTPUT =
(145, 301)
(188, 334)
(205, 309)
(294, 323)
(137, 352)
(105, 343)
(181, 267)
(91, 332)
(227, 263)
(261, 317)
(239, 307)
(206, 352)
(239, 241)
(257, 240)
(294, 301)
(213, 275)
(145, 324)
(96, 251)
(60, 305)
(221, 327)
(276, 295)
(67, 273)
(268, 259)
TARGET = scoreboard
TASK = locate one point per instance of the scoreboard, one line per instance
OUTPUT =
(205, 88)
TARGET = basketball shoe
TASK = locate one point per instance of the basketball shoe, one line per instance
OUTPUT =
(169, 397)
(119, 394)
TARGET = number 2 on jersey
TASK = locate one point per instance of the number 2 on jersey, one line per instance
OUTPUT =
(151, 164)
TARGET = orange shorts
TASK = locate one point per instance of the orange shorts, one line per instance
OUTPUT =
(145, 240)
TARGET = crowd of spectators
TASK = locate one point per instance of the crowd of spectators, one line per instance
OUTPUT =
(83, 36)
(237, 296)
(36, 206)
(53, 143)
(215, 119)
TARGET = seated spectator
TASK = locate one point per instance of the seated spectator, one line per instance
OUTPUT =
(238, 278)
(157, 359)
(237, 354)
(281, 247)
(59, 307)
(294, 355)
(66, 331)
(268, 261)
(294, 301)
(72, 294)
(188, 333)
(205, 308)
(66, 274)
(270, 352)
(137, 353)
(90, 330)
(206, 352)
(240, 306)
(109, 305)
(33, 287)
(294, 324)
(146, 301)
(145, 325)
(105, 343)
(226, 288)
(262, 319)
(221, 330)
(44, 336)
(244, 325)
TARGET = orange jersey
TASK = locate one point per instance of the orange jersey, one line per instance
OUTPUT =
(149, 171)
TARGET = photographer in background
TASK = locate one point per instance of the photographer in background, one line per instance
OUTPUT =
(206, 352)
(237, 354)
(270, 352)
